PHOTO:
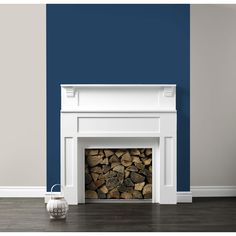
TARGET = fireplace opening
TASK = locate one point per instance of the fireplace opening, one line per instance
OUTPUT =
(118, 173)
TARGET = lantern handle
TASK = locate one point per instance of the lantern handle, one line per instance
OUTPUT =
(62, 188)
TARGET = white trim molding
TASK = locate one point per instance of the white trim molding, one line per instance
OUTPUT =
(22, 191)
(117, 98)
(196, 191)
(184, 197)
(213, 191)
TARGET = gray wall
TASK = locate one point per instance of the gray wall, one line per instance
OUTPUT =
(213, 97)
(23, 95)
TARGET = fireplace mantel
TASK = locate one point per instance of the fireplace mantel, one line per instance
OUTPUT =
(118, 98)
(122, 116)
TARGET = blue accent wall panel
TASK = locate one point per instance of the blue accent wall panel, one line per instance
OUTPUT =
(118, 44)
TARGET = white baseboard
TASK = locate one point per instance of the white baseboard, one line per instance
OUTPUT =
(213, 191)
(184, 197)
(22, 191)
(196, 191)
(206, 191)
(47, 197)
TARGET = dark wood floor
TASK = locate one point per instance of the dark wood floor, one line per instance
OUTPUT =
(204, 214)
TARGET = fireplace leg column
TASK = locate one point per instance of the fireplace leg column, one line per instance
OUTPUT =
(167, 175)
(69, 158)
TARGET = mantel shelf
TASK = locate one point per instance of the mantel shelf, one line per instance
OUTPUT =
(118, 98)
(94, 110)
(117, 85)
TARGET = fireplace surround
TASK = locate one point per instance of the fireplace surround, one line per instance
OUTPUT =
(119, 116)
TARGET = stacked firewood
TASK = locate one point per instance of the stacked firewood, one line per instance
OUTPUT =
(118, 173)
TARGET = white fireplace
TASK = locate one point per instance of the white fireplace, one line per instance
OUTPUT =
(119, 116)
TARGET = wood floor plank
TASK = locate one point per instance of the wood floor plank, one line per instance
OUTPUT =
(203, 215)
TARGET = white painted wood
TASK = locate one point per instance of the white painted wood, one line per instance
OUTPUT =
(168, 187)
(69, 156)
(169, 91)
(85, 98)
(22, 191)
(119, 116)
(168, 161)
(117, 110)
(156, 166)
(80, 191)
(70, 92)
(213, 191)
(184, 197)
(118, 124)
(117, 85)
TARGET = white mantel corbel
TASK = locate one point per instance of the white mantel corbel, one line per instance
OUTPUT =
(70, 91)
(169, 91)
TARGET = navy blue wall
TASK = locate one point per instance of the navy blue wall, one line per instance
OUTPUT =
(118, 44)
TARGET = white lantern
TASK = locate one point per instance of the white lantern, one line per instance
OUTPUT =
(57, 206)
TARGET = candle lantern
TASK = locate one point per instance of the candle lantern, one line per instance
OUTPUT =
(57, 206)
